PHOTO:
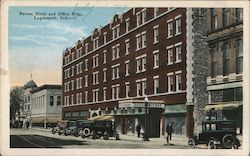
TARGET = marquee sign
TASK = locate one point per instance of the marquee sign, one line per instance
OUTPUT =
(141, 105)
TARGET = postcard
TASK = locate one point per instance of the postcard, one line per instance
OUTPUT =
(124, 78)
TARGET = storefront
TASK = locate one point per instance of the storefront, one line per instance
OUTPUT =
(132, 113)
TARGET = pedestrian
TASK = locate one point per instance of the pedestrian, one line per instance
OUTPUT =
(169, 130)
(27, 125)
(138, 130)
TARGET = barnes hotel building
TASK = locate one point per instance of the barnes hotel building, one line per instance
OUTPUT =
(143, 51)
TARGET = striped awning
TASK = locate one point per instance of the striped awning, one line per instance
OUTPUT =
(102, 118)
(223, 106)
(49, 119)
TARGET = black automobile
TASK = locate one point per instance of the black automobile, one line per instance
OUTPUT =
(216, 134)
(71, 129)
(61, 126)
(100, 126)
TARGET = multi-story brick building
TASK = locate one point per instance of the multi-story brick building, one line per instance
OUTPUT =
(144, 51)
(225, 62)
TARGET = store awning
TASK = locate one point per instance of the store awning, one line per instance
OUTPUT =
(223, 106)
(102, 118)
(49, 119)
(175, 109)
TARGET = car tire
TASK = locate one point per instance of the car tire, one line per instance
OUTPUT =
(228, 141)
(106, 135)
(53, 132)
(60, 133)
(211, 144)
(191, 143)
(86, 132)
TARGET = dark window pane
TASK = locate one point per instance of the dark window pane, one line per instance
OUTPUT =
(238, 94)
(228, 95)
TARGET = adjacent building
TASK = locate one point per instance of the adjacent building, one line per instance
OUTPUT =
(46, 105)
(144, 53)
(225, 62)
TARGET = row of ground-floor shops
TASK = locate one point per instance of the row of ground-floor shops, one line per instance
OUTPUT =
(128, 114)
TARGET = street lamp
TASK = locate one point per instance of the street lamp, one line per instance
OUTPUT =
(145, 135)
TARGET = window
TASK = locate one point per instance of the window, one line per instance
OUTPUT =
(86, 64)
(127, 47)
(51, 101)
(116, 52)
(178, 52)
(238, 94)
(127, 89)
(141, 63)
(226, 58)
(213, 62)
(95, 60)
(138, 19)
(170, 56)
(72, 70)
(213, 19)
(156, 59)
(80, 67)
(239, 57)
(138, 42)
(156, 34)
(116, 31)
(105, 37)
(225, 16)
(96, 78)
(86, 96)
(144, 17)
(170, 28)
(104, 56)
(104, 74)
(78, 98)
(72, 99)
(239, 14)
(86, 48)
(178, 25)
(141, 87)
(72, 84)
(72, 56)
(127, 68)
(115, 91)
(104, 94)
(156, 84)
(141, 40)
(95, 43)
(144, 42)
(127, 23)
(116, 71)
(170, 82)
(156, 12)
(86, 80)
(95, 95)
(178, 81)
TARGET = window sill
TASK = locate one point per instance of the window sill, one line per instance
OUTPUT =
(155, 42)
(156, 67)
(170, 64)
(178, 61)
(169, 37)
(177, 34)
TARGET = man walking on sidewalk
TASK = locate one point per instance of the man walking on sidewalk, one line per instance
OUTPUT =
(138, 129)
(169, 130)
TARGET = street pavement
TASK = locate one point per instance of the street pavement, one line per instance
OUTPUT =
(43, 138)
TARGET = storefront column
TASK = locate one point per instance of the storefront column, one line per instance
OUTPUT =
(190, 120)
(162, 126)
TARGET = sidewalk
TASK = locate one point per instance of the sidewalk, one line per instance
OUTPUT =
(176, 140)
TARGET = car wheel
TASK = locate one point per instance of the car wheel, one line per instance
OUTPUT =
(228, 141)
(191, 143)
(53, 132)
(86, 132)
(211, 144)
(106, 135)
(60, 133)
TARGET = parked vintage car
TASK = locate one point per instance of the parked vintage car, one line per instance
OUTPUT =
(60, 128)
(100, 126)
(71, 129)
(216, 134)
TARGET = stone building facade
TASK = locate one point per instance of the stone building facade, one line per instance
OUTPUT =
(225, 62)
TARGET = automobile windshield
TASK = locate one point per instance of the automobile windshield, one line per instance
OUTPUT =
(73, 124)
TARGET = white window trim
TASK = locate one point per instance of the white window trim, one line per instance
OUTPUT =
(178, 60)
(127, 42)
(170, 63)
(176, 18)
(156, 52)
(170, 21)
(155, 27)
